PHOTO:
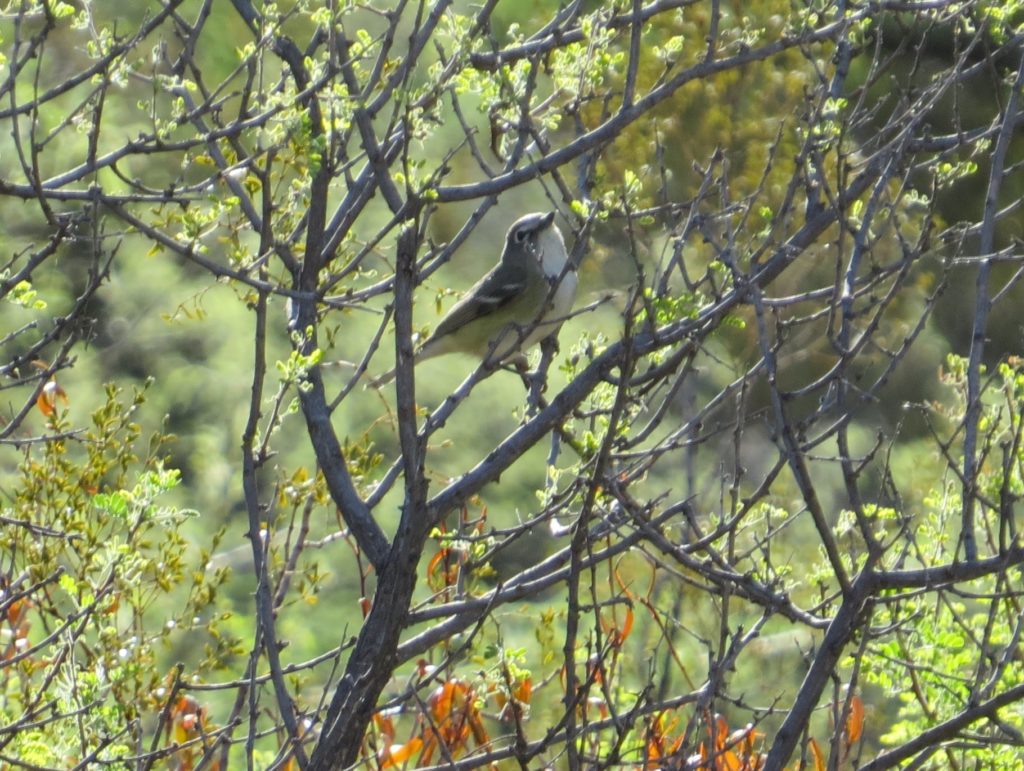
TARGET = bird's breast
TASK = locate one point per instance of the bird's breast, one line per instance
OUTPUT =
(551, 250)
(563, 297)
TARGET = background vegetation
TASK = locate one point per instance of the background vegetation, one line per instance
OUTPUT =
(762, 512)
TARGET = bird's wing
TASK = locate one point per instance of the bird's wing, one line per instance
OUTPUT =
(495, 290)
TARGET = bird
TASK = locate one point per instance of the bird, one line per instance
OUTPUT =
(523, 299)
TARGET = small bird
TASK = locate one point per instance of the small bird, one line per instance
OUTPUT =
(520, 301)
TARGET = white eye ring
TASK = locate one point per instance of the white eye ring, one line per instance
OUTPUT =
(520, 235)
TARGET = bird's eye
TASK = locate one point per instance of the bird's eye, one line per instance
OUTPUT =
(520, 235)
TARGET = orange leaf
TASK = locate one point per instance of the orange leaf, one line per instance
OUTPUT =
(660, 744)
(730, 761)
(455, 716)
(440, 702)
(16, 611)
(399, 753)
(446, 697)
(477, 727)
(384, 725)
(855, 720)
(819, 759)
(435, 561)
(627, 625)
(520, 692)
(743, 739)
(721, 733)
(439, 572)
(524, 690)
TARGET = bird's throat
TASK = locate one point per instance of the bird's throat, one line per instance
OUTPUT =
(551, 251)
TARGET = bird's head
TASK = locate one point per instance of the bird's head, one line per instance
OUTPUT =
(536, 236)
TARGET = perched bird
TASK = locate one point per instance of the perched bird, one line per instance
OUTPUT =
(522, 300)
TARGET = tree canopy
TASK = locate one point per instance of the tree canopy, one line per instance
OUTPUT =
(754, 506)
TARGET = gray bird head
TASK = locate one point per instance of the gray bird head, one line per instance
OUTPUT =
(528, 227)
(535, 237)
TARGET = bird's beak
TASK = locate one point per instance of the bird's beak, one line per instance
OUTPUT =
(546, 221)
